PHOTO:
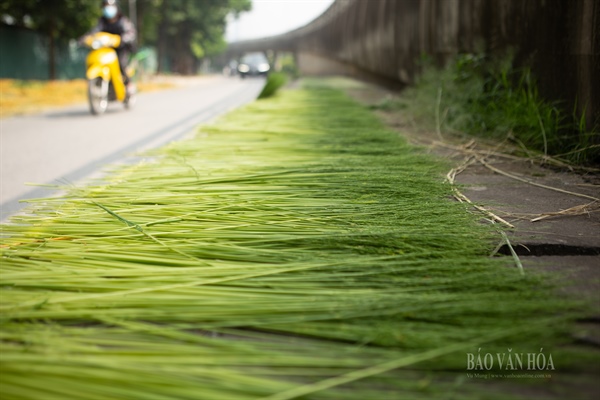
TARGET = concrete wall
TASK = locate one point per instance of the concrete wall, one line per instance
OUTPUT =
(386, 38)
(560, 38)
(24, 54)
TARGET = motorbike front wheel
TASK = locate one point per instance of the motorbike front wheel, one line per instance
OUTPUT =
(98, 95)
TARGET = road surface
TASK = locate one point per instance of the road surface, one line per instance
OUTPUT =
(69, 145)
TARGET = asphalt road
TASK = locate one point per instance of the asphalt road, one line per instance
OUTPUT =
(70, 145)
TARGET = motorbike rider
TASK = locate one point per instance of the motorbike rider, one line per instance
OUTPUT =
(113, 21)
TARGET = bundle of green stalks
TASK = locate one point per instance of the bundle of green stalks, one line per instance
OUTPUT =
(295, 249)
(275, 81)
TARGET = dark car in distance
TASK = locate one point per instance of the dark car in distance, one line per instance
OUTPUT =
(253, 64)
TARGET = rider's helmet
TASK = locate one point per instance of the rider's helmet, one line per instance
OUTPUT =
(110, 8)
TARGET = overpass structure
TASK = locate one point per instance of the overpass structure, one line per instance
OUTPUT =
(384, 40)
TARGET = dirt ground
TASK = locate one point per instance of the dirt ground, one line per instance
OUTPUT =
(19, 97)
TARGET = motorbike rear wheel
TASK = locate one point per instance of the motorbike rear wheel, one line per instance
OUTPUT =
(98, 95)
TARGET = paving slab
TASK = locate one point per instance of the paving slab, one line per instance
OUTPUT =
(520, 203)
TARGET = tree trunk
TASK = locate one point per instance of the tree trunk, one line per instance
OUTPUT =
(184, 60)
(52, 52)
(162, 38)
(139, 23)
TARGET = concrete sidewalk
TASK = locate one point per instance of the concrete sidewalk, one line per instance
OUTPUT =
(572, 239)
(568, 245)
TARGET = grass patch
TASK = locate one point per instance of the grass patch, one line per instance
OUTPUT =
(295, 249)
(490, 98)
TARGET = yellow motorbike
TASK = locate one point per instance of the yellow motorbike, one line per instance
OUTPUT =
(105, 82)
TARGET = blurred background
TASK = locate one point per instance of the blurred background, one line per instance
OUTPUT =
(38, 39)
(539, 50)
(381, 39)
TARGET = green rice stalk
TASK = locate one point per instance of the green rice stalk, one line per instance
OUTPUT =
(295, 246)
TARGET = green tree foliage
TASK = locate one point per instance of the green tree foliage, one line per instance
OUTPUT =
(58, 19)
(185, 31)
